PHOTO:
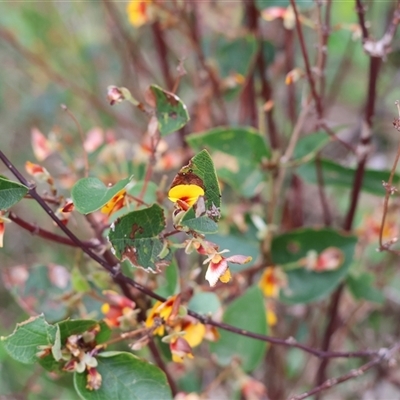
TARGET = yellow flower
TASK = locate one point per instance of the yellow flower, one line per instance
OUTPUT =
(137, 12)
(194, 331)
(115, 203)
(161, 313)
(187, 194)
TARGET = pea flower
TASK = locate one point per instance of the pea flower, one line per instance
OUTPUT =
(184, 196)
(183, 332)
(115, 204)
(163, 313)
(218, 268)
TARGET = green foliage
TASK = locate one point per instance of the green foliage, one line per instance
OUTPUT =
(304, 285)
(125, 377)
(135, 237)
(171, 113)
(246, 312)
(90, 194)
(10, 193)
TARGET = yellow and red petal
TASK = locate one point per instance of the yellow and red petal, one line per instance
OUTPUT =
(185, 193)
(194, 331)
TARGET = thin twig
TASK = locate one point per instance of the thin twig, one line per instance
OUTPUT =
(385, 355)
(321, 191)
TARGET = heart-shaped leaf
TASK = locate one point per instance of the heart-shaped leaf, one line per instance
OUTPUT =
(90, 194)
(171, 113)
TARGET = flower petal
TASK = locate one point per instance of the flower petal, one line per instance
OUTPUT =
(215, 271)
(238, 259)
(187, 193)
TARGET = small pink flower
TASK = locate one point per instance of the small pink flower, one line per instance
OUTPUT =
(219, 268)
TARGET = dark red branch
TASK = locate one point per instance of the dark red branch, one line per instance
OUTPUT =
(43, 233)
(304, 53)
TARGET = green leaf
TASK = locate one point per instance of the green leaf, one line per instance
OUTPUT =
(337, 175)
(125, 377)
(246, 312)
(227, 53)
(205, 303)
(22, 344)
(90, 194)
(237, 155)
(361, 288)
(305, 286)
(171, 112)
(201, 224)
(135, 237)
(10, 193)
(203, 166)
